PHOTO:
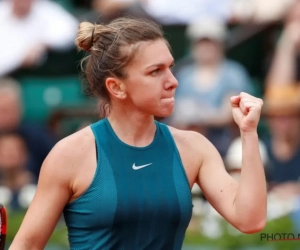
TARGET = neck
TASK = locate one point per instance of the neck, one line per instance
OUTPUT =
(134, 129)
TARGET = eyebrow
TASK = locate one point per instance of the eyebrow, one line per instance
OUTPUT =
(159, 65)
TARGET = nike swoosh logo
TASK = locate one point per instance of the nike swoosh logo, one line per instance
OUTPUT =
(134, 167)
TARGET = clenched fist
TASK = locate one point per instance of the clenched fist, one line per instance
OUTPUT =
(246, 110)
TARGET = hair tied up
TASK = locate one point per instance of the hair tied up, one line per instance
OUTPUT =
(112, 48)
(92, 38)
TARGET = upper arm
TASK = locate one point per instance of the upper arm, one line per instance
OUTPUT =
(218, 187)
(53, 193)
(204, 165)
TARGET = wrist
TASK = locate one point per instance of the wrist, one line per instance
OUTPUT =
(249, 134)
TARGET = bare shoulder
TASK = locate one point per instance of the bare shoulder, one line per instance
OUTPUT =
(188, 139)
(192, 146)
(195, 149)
(69, 153)
(74, 145)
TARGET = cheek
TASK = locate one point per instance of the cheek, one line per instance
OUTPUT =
(150, 102)
(146, 92)
(146, 100)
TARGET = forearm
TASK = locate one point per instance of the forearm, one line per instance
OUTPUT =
(251, 197)
(282, 70)
(17, 245)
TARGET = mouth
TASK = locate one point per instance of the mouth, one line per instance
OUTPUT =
(168, 99)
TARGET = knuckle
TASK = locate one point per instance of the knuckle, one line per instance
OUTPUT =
(259, 100)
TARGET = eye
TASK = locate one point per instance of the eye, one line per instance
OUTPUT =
(171, 67)
(154, 72)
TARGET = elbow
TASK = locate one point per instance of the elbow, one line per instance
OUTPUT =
(252, 227)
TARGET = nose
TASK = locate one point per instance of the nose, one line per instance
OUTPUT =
(171, 82)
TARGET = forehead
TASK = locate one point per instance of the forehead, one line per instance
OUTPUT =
(152, 52)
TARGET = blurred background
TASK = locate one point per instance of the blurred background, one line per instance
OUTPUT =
(221, 47)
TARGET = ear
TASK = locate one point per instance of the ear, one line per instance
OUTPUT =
(116, 87)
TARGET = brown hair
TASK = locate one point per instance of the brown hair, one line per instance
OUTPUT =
(112, 48)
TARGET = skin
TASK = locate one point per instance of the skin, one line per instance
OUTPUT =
(21, 8)
(10, 110)
(13, 157)
(148, 90)
(283, 68)
(208, 52)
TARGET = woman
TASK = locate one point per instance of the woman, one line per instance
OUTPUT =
(124, 182)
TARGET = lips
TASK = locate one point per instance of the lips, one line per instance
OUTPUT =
(168, 99)
(170, 95)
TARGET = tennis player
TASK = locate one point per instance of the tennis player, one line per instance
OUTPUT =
(124, 182)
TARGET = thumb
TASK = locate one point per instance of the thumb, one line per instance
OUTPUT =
(235, 101)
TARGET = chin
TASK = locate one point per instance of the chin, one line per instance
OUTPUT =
(164, 113)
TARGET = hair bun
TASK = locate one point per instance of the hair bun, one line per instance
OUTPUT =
(85, 36)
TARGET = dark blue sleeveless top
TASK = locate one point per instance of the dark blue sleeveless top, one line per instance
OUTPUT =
(139, 198)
